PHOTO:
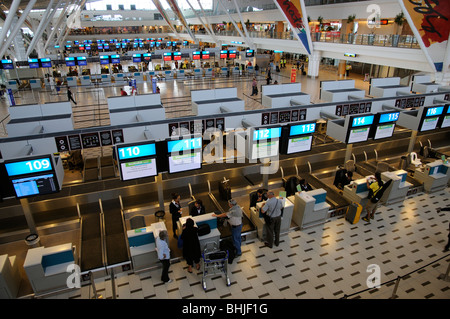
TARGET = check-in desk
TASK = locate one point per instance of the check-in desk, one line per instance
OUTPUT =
(119, 78)
(167, 74)
(12, 84)
(338, 91)
(138, 76)
(143, 245)
(85, 80)
(35, 84)
(198, 73)
(208, 218)
(224, 72)
(398, 189)
(208, 72)
(283, 95)
(310, 208)
(208, 102)
(434, 176)
(423, 84)
(258, 220)
(357, 191)
(105, 78)
(46, 267)
(181, 74)
(72, 81)
(387, 87)
(9, 277)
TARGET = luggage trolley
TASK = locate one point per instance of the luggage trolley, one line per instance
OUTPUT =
(214, 262)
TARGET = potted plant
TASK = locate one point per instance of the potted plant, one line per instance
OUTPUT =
(350, 21)
(399, 20)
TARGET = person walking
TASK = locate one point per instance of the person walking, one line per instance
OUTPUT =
(272, 210)
(373, 184)
(175, 211)
(235, 220)
(268, 77)
(254, 87)
(69, 95)
(191, 245)
(163, 255)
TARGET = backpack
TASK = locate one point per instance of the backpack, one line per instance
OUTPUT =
(375, 197)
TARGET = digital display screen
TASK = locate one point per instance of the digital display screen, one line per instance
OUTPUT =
(147, 57)
(185, 162)
(177, 56)
(264, 149)
(81, 60)
(35, 185)
(70, 61)
(46, 62)
(196, 55)
(184, 144)
(167, 56)
(249, 53)
(88, 47)
(383, 131)
(362, 120)
(351, 55)
(7, 64)
(104, 59)
(302, 129)
(205, 55)
(232, 54)
(299, 144)
(115, 58)
(137, 58)
(358, 135)
(138, 169)
(81, 47)
(446, 119)
(106, 46)
(33, 63)
(429, 124)
(266, 133)
(30, 166)
(223, 54)
(136, 151)
(389, 117)
(434, 111)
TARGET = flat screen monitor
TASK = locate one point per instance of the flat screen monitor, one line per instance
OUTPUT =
(35, 185)
(266, 133)
(205, 55)
(384, 131)
(196, 55)
(137, 160)
(88, 47)
(115, 58)
(388, 117)
(33, 63)
(158, 44)
(446, 119)
(363, 120)
(167, 56)
(70, 61)
(300, 129)
(168, 43)
(223, 54)
(81, 47)
(147, 57)
(249, 53)
(7, 64)
(185, 162)
(182, 145)
(104, 59)
(106, 46)
(232, 54)
(137, 57)
(81, 60)
(356, 135)
(299, 144)
(263, 149)
(185, 43)
(428, 124)
(430, 120)
(100, 46)
(28, 166)
(177, 56)
(46, 62)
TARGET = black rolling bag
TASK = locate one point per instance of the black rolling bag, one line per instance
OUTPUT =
(224, 190)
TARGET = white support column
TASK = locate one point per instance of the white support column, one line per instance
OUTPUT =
(314, 63)
(57, 25)
(9, 18)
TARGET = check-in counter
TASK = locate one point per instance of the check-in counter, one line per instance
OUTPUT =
(208, 218)
(85, 80)
(310, 208)
(423, 84)
(72, 81)
(224, 71)
(198, 73)
(105, 78)
(257, 218)
(119, 78)
(167, 74)
(208, 102)
(46, 267)
(338, 91)
(12, 84)
(387, 87)
(398, 189)
(9, 277)
(434, 176)
(357, 191)
(181, 74)
(283, 95)
(35, 84)
(143, 245)
(208, 72)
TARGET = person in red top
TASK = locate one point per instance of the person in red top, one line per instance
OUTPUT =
(123, 92)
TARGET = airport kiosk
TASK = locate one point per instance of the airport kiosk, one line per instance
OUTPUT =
(434, 176)
(398, 189)
(310, 208)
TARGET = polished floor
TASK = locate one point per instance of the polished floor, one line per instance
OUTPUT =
(327, 261)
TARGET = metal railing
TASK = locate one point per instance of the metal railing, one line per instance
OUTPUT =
(397, 280)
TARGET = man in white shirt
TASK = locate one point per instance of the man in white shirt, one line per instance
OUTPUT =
(272, 208)
(163, 255)
(235, 220)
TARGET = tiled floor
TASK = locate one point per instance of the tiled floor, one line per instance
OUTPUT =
(327, 261)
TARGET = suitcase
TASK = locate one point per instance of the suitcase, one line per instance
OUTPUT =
(224, 190)
(353, 213)
(303, 72)
(203, 229)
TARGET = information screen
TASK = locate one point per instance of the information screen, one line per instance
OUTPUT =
(264, 149)
(137, 58)
(223, 54)
(429, 123)
(138, 169)
(167, 56)
(249, 53)
(266, 133)
(434, 111)
(358, 135)
(137, 160)
(446, 119)
(81, 60)
(299, 144)
(136, 151)
(70, 61)
(147, 57)
(33, 63)
(184, 144)
(46, 62)
(104, 59)
(30, 166)
(302, 129)
(383, 131)
(362, 120)
(115, 58)
(7, 64)
(177, 56)
(196, 55)
(389, 117)
(185, 162)
(232, 54)
(205, 55)
(35, 185)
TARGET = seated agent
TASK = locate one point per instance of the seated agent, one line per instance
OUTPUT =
(304, 186)
(198, 208)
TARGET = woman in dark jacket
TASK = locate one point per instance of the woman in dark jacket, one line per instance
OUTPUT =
(191, 244)
(175, 211)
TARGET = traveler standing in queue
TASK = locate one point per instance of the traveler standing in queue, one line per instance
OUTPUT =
(375, 186)
(272, 209)
(191, 244)
(123, 92)
(163, 255)
(254, 87)
(69, 95)
(175, 211)
(235, 220)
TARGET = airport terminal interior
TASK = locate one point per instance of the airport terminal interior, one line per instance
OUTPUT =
(108, 109)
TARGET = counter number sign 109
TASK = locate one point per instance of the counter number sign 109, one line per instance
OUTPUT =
(28, 167)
